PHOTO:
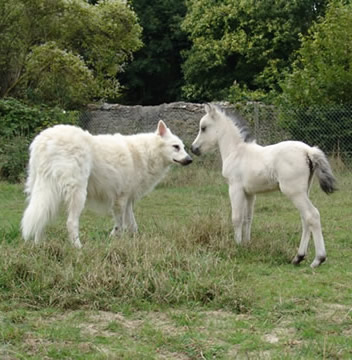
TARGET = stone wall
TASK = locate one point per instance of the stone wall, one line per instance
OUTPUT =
(181, 117)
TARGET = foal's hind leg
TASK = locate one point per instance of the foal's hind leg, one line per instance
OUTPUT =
(75, 201)
(311, 218)
(303, 247)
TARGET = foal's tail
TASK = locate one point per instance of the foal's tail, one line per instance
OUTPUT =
(323, 170)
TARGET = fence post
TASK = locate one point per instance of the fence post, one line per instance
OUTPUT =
(256, 120)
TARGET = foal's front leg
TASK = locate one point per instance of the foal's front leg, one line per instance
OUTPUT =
(238, 205)
(247, 222)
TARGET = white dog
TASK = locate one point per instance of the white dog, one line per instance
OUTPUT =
(110, 172)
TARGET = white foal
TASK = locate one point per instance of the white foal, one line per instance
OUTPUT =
(250, 168)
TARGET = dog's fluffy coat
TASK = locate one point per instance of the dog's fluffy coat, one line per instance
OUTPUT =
(108, 172)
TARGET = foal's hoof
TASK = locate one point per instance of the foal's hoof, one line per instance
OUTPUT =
(318, 261)
(298, 259)
(77, 244)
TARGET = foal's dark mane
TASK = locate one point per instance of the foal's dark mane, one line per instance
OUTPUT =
(240, 122)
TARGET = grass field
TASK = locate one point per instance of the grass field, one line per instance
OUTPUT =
(181, 288)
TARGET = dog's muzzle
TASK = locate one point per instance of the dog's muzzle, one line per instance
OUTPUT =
(186, 161)
(195, 150)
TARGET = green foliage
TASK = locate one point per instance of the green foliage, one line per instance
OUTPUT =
(13, 43)
(58, 77)
(105, 35)
(249, 42)
(20, 119)
(19, 124)
(92, 43)
(318, 89)
(13, 158)
(322, 73)
(154, 76)
(237, 93)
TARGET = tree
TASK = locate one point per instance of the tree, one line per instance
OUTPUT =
(58, 77)
(244, 43)
(322, 73)
(91, 44)
(318, 89)
(155, 76)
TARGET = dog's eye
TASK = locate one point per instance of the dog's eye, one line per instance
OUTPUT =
(176, 147)
(203, 128)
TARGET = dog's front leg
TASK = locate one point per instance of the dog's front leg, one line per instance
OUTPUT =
(117, 212)
(131, 223)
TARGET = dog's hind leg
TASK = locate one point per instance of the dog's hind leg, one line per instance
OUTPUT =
(75, 202)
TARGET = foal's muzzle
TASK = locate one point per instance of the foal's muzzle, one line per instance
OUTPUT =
(195, 150)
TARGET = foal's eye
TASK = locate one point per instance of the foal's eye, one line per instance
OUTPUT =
(203, 128)
(176, 147)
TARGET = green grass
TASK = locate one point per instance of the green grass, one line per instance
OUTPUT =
(181, 288)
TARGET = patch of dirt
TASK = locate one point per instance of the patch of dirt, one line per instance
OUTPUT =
(284, 333)
(98, 323)
(34, 344)
(166, 355)
(163, 322)
(336, 313)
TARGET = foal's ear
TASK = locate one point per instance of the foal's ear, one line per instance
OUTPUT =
(162, 128)
(209, 108)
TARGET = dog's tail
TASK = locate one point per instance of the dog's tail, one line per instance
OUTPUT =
(43, 203)
(323, 170)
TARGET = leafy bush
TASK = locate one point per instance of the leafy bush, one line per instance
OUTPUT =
(19, 124)
(58, 77)
(321, 74)
(13, 158)
(65, 53)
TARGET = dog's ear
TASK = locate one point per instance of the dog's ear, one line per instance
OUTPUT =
(162, 128)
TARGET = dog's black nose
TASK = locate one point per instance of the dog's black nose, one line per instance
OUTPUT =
(187, 161)
(195, 150)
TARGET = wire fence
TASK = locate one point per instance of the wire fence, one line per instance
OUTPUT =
(328, 127)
